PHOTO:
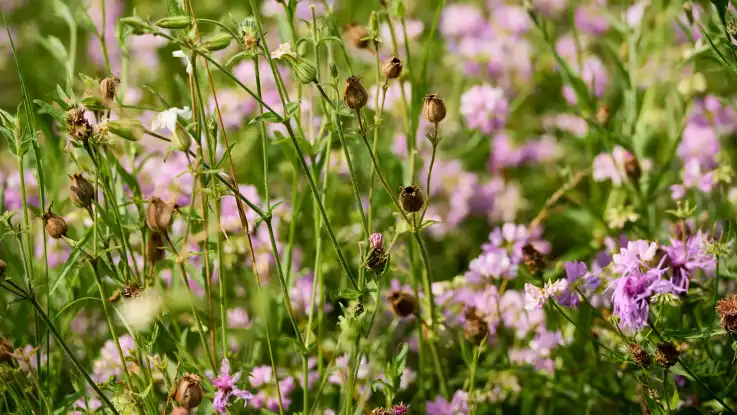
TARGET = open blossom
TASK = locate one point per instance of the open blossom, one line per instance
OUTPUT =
(574, 272)
(611, 166)
(686, 257)
(284, 50)
(458, 405)
(185, 59)
(225, 384)
(167, 120)
(637, 255)
(262, 377)
(484, 108)
(536, 297)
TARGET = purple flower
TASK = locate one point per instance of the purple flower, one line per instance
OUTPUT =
(376, 241)
(594, 74)
(611, 166)
(636, 257)
(491, 265)
(591, 19)
(511, 19)
(550, 8)
(226, 388)
(12, 193)
(238, 318)
(440, 406)
(460, 20)
(709, 111)
(262, 377)
(574, 271)
(699, 142)
(512, 238)
(485, 108)
(685, 257)
(301, 295)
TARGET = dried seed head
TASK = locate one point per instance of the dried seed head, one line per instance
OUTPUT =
(475, 329)
(381, 411)
(727, 309)
(159, 214)
(392, 67)
(357, 35)
(533, 259)
(55, 225)
(355, 95)
(403, 304)
(155, 250)
(434, 109)
(132, 290)
(82, 192)
(412, 198)
(189, 392)
(377, 260)
(108, 87)
(75, 116)
(632, 167)
(639, 355)
(6, 351)
(78, 127)
(666, 354)
(3, 269)
(732, 28)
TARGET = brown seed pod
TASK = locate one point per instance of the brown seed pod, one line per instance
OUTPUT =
(188, 393)
(639, 355)
(403, 304)
(354, 95)
(475, 329)
(533, 259)
(75, 116)
(108, 87)
(392, 67)
(666, 354)
(412, 198)
(159, 214)
(3, 269)
(55, 225)
(132, 291)
(82, 192)
(155, 250)
(434, 109)
(632, 167)
(78, 128)
(357, 35)
(377, 260)
(727, 309)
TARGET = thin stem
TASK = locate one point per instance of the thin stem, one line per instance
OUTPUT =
(354, 180)
(429, 175)
(665, 389)
(383, 181)
(71, 356)
(221, 279)
(262, 130)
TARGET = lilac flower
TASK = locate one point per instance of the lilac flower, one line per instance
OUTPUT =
(509, 62)
(57, 251)
(485, 108)
(491, 265)
(230, 217)
(531, 357)
(536, 297)
(590, 19)
(393, 97)
(461, 20)
(709, 111)
(516, 316)
(12, 192)
(511, 238)
(572, 124)
(550, 8)
(457, 406)
(414, 30)
(684, 29)
(86, 406)
(238, 318)
(686, 257)
(634, 14)
(262, 377)
(226, 388)
(376, 241)
(574, 271)
(234, 107)
(594, 75)
(635, 257)
(699, 142)
(301, 296)
(113, 12)
(694, 177)
(108, 364)
(511, 19)
(611, 166)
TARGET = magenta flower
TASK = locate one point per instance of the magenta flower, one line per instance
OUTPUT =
(440, 406)
(484, 108)
(574, 272)
(686, 257)
(226, 388)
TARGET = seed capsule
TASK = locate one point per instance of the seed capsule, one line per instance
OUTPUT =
(403, 304)
(160, 214)
(174, 22)
(3, 269)
(218, 41)
(533, 259)
(355, 95)
(108, 87)
(82, 192)
(155, 250)
(639, 355)
(392, 67)
(412, 199)
(434, 109)
(189, 392)
(666, 354)
(632, 167)
(357, 35)
(55, 225)
(475, 329)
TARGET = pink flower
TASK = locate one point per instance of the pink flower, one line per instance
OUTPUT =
(226, 388)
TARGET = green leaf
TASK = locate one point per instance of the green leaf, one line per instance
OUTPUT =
(72, 261)
(174, 7)
(344, 111)
(94, 103)
(267, 117)
(347, 293)
(428, 223)
(694, 333)
(11, 139)
(292, 108)
(675, 399)
(62, 95)
(55, 47)
(721, 6)
(68, 306)
(238, 56)
(55, 112)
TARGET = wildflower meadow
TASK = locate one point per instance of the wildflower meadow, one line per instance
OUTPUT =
(388, 207)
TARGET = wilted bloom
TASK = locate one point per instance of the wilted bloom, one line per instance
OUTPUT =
(159, 214)
(108, 87)
(225, 384)
(354, 94)
(666, 354)
(392, 67)
(434, 109)
(727, 309)
(639, 355)
(412, 198)
(82, 192)
(377, 257)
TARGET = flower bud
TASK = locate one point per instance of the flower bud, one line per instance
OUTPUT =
(727, 309)
(533, 259)
(219, 41)
(137, 25)
(639, 355)
(357, 35)
(392, 67)
(376, 241)
(55, 225)
(108, 87)
(304, 71)
(355, 95)
(334, 70)
(174, 22)
(155, 250)
(434, 109)
(632, 167)
(131, 130)
(82, 192)
(374, 23)
(181, 140)
(403, 304)
(159, 214)
(412, 199)
(400, 409)
(189, 392)
(666, 354)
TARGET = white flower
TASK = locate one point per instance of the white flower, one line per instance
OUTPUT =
(168, 119)
(554, 289)
(534, 297)
(180, 54)
(285, 49)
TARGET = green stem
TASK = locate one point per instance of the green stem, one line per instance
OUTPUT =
(665, 389)
(221, 280)
(429, 175)
(354, 180)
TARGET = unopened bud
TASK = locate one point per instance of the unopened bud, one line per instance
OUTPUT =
(355, 95)
(412, 199)
(181, 140)
(108, 87)
(666, 354)
(434, 109)
(175, 22)
(82, 192)
(374, 23)
(189, 392)
(376, 241)
(155, 250)
(55, 225)
(304, 71)
(639, 355)
(727, 309)
(392, 67)
(131, 130)
(159, 214)
(219, 41)
(137, 25)
(334, 70)
(377, 257)
(357, 35)
(403, 304)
